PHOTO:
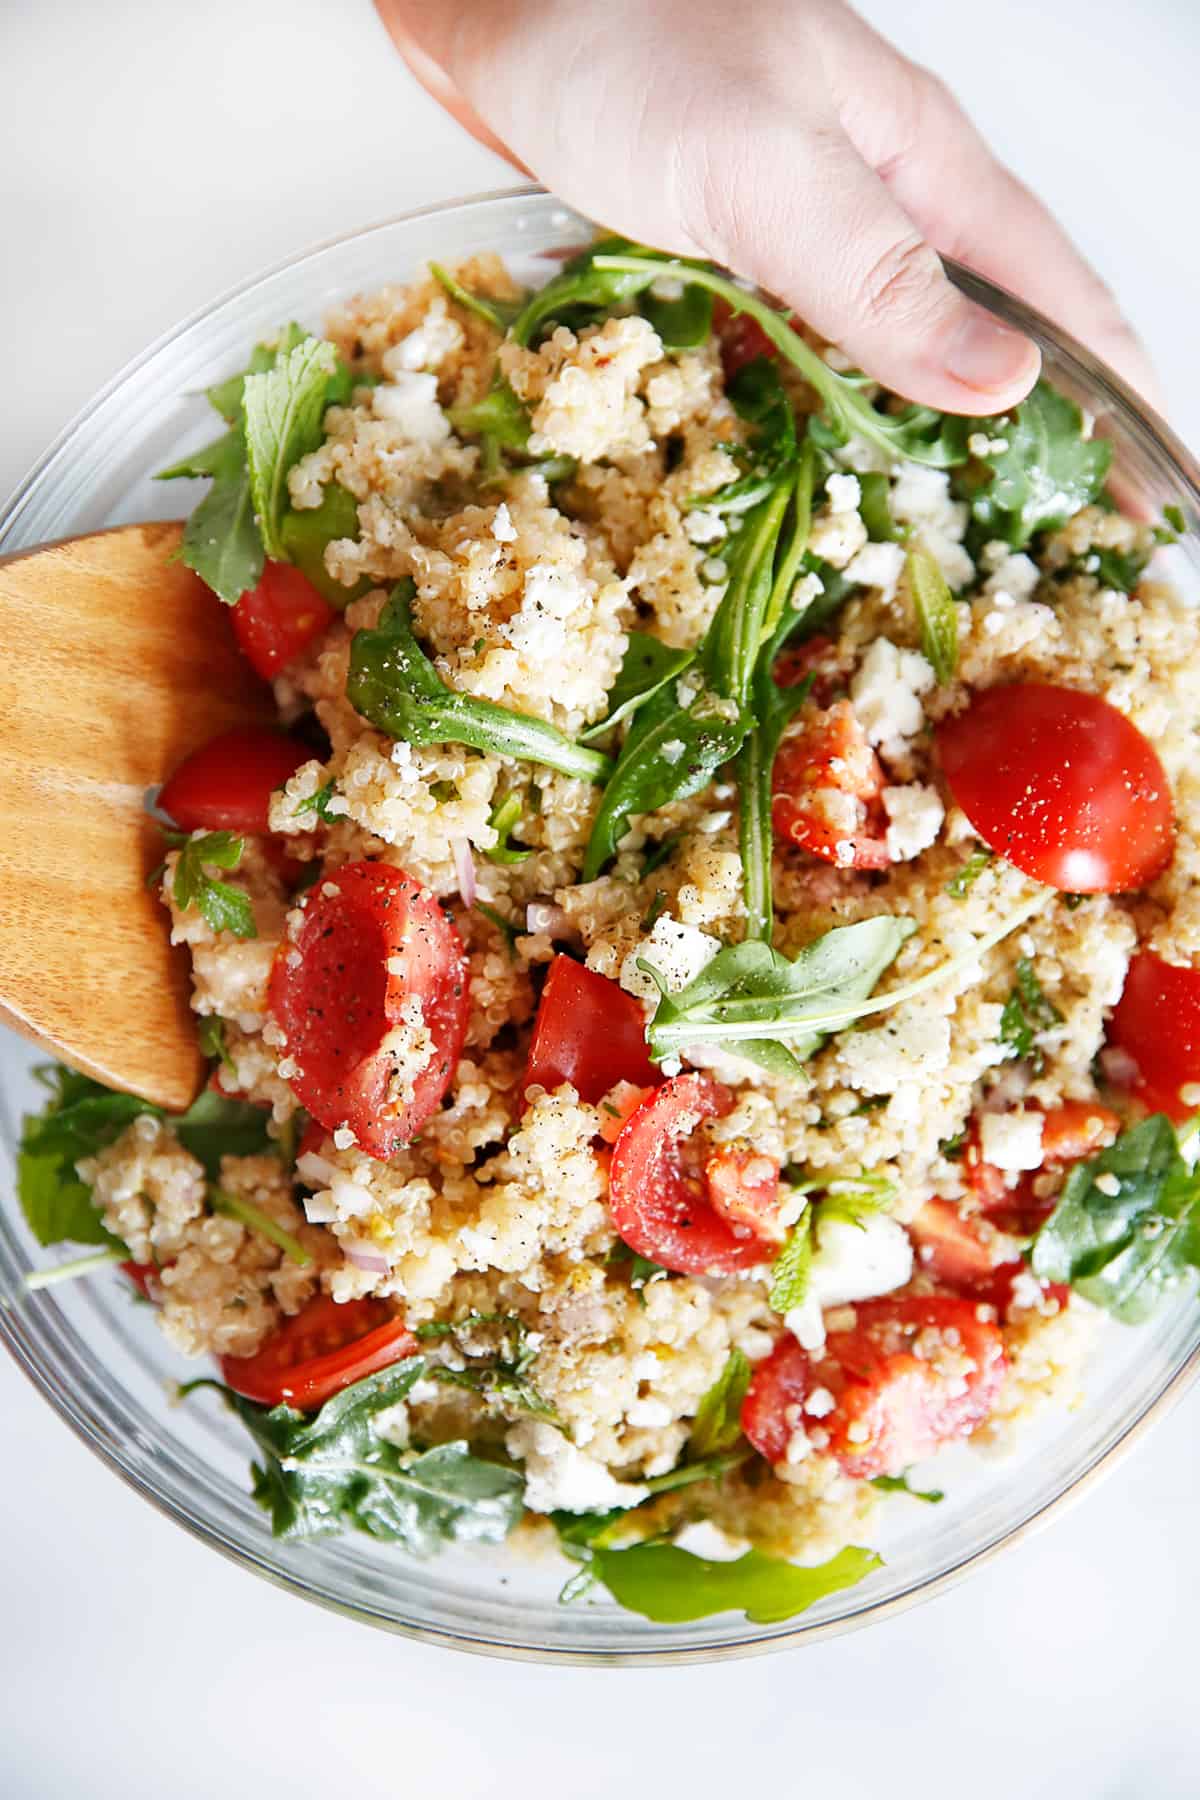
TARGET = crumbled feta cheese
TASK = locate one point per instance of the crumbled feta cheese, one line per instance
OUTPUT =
(843, 493)
(911, 1045)
(851, 1262)
(1108, 1184)
(878, 566)
(1015, 574)
(410, 401)
(886, 694)
(503, 529)
(704, 1539)
(819, 1403)
(560, 1478)
(921, 498)
(915, 815)
(678, 952)
(649, 1414)
(1012, 1140)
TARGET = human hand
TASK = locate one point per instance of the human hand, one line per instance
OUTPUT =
(787, 140)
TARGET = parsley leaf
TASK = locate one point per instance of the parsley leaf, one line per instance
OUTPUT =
(718, 1422)
(961, 883)
(225, 908)
(331, 1470)
(671, 1586)
(282, 409)
(318, 803)
(1026, 1012)
(1126, 1229)
(1047, 471)
(394, 686)
(937, 613)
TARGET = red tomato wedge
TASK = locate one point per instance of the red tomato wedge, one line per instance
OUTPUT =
(1157, 1024)
(1070, 1132)
(953, 1250)
(1062, 785)
(796, 663)
(321, 1350)
(371, 939)
(743, 1186)
(279, 618)
(742, 338)
(826, 787)
(146, 1279)
(588, 1031)
(658, 1195)
(892, 1406)
(227, 784)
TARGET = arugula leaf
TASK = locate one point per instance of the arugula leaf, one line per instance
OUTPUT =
(225, 908)
(331, 1470)
(1026, 1012)
(393, 684)
(282, 409)
(1126, 1229)
(875, 508)
(499, 314)
(792, 1267)
(499, 417)
(1046, 472)
(215, 1126)
(672, 1586)
(502, 1379)
(899, 1484)
(305, 532)
(759, 397)
(683, 322)
(504, 815)
(718, 1422)
(937, 613)
(753, 996)
(584, 287)
(917, 433)
(647, 666)
(961, 883)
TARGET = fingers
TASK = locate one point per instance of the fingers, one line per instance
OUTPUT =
(436, 82)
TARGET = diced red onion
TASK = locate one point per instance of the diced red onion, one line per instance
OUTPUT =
(1119, 1067)
(374, 1262)
(464, 865)
(540, 917)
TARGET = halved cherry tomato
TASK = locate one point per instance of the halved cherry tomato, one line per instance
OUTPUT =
(743, 1186)
(742, 339)
(618, 1106)
(911, 1374)
(1157, 1024)
(371, 940)
(658, 1197)
(1062, 785)
(826, 787)
(320, 1351)
(588, 1031)
(227, 784)
(279, 618)
(145, 1278)
(953, 1249)
(1070, 1132)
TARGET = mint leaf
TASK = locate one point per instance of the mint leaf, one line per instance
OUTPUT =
(1047, 471)
(937, 613)
(80, 1118)
(282, 412)
(718, 1422)
(329, 1471)
(394, 686)
(671, 1586)
(1126, 1230)
(792, 1267)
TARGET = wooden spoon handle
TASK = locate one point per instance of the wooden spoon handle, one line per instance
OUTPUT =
(115, 662)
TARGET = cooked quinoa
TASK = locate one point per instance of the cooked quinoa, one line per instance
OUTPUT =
(528, 572)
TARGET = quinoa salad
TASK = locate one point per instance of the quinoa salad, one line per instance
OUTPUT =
(687, 982)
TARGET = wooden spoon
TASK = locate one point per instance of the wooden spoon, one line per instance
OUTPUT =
(116, 662)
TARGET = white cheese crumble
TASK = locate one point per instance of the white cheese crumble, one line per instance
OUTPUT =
(410, 401)
(851, 1262)
(560, 1478)
(1012, 1140)
(678, 952)
(921, 498)
(503, 529)
(843, 493)
(708, 1541)
(878, 566)
(915, 815)
(886, 694)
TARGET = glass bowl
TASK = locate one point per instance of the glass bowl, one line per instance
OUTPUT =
(98, 1356)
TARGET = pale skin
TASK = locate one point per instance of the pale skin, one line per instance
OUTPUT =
(789, 141)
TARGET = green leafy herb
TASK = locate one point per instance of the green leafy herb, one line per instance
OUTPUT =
(499, 314)
(875, 508)
(329, 1471)
(305, 532)
(759, 397)
(917, 433)
(318, 803)
(583, 288)
(937, 613)
(504, 815)
(647, 666)
(221, 541)
(507, 929)
(226, 396)
(671, 1586)
(393, 684)
(641, 1269)
(899, 1484)
(1026, 1012)
(1126, 1229)
(282, 409)
(224, 907)
(660, 853)
(718, 1422)
(1175, 519)
(211, 1033)
(504, 1379)
(961, 883)
(682, 322)
(36, 1279)
(753, 996)
(1047, 470)
(792, 1267)
(233, 1206)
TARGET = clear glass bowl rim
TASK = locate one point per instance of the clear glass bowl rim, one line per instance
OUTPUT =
(1156, 435)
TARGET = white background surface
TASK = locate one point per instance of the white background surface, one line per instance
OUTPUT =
(151, 156)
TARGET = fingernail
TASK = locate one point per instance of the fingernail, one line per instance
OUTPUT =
(986, 355)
